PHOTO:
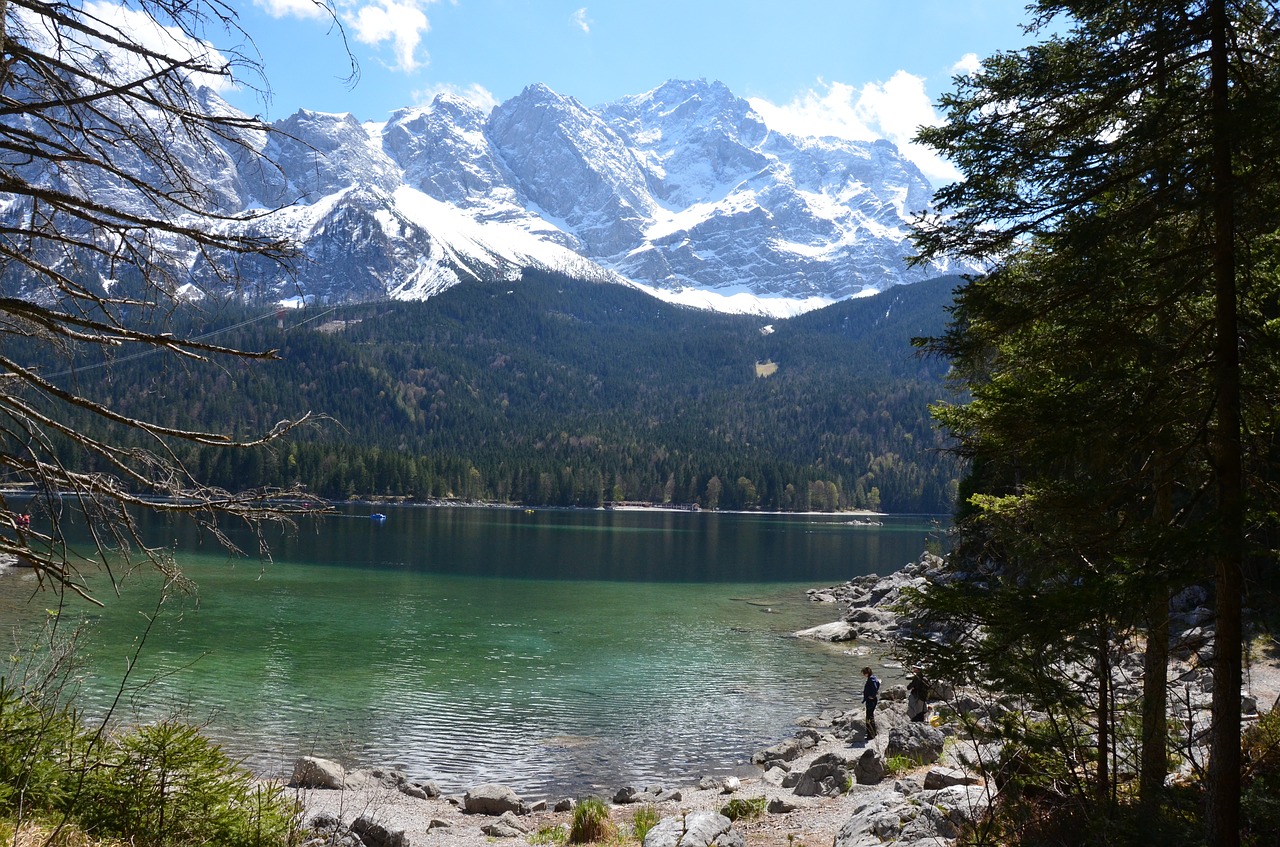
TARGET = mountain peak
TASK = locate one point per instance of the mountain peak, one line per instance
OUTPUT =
(680, 190)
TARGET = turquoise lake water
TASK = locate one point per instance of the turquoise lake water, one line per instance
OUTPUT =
(559, 652)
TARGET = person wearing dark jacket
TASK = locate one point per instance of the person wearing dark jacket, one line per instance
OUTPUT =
(870, 697)
(917, 696)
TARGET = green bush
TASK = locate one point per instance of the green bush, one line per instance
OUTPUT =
(37, 744)
(744, 807)
(167, 784)
(591, 822)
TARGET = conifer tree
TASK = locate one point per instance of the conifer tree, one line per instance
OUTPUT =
(1116, 349)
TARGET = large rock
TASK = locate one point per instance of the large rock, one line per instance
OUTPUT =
(491, 799)
(919, 742)
(869, 769)
(957, 805)
(651, 794)
(696, 829)
(836, 631)
(314, 772)
(830, 775)
(507, 826)
(932, 818)
(874, 821)
(940, 777)
(786, 751)
(375, 834)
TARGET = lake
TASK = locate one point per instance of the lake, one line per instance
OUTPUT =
(559, 652)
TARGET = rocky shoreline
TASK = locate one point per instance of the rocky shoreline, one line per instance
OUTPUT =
(828, 784)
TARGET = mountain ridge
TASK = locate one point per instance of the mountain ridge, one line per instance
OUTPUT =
(683, 191)
(553, 391)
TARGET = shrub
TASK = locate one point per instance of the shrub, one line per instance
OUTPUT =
(166, 783)
(645, 819)
(744, 807)
(591, 822)
(35, 741)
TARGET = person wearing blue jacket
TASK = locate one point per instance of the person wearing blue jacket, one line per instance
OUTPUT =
(870, 697)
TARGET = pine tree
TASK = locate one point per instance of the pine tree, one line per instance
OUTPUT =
(1125, 212)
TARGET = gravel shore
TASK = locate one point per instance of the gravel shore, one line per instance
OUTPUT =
(814, 820)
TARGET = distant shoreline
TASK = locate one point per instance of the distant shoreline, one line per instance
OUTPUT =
(478, 504)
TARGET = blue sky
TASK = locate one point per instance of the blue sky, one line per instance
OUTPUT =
(860, 68)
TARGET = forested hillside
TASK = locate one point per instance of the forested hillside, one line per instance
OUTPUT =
(551, 391)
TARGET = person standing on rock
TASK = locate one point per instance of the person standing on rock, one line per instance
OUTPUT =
(870, 697)
(917, 695)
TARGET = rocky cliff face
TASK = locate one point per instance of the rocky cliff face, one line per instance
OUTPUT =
(682, 190)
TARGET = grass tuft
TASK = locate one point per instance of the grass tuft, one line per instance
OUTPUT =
(645, 819)
(591, 822)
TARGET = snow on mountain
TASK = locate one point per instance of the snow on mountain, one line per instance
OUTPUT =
(683, 191)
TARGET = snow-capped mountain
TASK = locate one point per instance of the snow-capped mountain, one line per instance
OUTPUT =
(683, 190)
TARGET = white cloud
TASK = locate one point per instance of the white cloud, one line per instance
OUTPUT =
(581, 21)
(294, 8)
(893, 110)
(967, 66)
(400, 24)
(403, 24)
(476, 93)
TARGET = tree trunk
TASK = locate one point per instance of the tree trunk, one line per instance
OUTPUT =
(1223, 784)
(1104, 718)
(1155, 703)
(1155, 671)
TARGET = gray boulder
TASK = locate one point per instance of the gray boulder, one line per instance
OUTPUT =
(697, 829)
(374, 834)
(491, 799)
(651, 794)
(836, 631)
(958, 805)
(410, 790)
(869, 769)
(830, 775)
(873, 822)
(314, 772)
(887, 818)
(946, 777)
(919, 742)
(786, 751)
(775, 776)
(779, 806)
(506, 826)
